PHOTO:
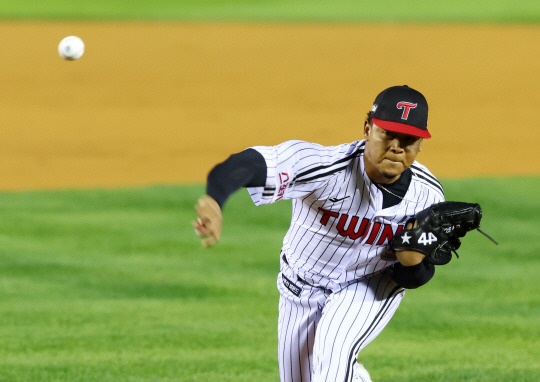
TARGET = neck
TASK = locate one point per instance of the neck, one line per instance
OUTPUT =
(384, 180)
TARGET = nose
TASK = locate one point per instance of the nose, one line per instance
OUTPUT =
(395, 145)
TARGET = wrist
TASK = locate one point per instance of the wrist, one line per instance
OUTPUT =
(412, 277)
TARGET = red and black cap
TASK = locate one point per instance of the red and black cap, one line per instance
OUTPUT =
(403, 110)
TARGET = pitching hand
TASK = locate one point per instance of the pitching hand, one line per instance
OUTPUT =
(209, 220)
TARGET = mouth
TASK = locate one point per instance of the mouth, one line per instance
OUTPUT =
(393, 160)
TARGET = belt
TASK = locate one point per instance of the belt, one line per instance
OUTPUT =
(302, 280)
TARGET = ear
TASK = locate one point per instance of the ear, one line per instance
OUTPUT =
(367, 129)
(420, 145)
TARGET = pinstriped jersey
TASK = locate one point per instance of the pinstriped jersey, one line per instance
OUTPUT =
(339, 229)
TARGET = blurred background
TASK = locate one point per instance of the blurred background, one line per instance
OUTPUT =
(167, 89)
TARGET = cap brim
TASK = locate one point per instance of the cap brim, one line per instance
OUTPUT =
(401, 128)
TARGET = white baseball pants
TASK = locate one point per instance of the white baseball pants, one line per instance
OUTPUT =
(321, 331)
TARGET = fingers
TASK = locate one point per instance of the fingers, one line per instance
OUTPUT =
(209, 241)
(209, 236)
(199, 229)
(209, 221)
(411, 224)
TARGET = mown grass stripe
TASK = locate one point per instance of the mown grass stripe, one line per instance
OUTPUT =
(277, 10)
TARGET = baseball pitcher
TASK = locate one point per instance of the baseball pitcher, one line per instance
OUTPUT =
(368, 222)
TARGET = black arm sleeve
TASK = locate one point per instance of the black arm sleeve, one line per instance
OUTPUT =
(245, 169)
(414, 276)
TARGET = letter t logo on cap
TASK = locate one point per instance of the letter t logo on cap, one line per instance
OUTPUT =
(406, 106)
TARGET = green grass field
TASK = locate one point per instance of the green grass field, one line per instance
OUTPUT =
(112, 285)
(279, 10)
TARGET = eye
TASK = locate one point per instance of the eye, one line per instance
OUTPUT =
(410, 141)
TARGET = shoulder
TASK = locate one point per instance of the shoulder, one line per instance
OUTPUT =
(343, 151)
(303, 150)
(331, 160)
(308, 161)
(422, 175)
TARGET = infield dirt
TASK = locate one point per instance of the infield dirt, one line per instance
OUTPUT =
(161, 103)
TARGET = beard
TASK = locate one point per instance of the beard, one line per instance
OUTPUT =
(389, 176)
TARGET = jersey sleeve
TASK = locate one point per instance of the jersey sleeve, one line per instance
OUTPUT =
(295, 169)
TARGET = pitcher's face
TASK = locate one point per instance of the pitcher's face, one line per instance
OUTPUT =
(388, 154)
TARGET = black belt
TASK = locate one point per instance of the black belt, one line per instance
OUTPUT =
(302, 280)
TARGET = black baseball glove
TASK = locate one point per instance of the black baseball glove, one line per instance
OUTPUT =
(439, 229)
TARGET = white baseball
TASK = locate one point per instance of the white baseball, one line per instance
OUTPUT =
(71, 48)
